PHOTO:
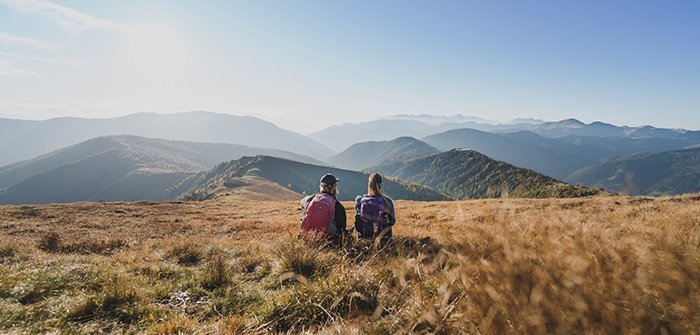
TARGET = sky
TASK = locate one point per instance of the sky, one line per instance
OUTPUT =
(306, 65)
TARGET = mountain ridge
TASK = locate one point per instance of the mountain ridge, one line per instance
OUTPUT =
(465, 174)
(166, 167)
(364, 155)
(301, 178)
(660, 173)
(34, 138)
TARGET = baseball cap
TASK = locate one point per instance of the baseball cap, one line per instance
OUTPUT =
(329, 179)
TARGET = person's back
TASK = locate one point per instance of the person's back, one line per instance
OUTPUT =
(324, 215)
(374, 211)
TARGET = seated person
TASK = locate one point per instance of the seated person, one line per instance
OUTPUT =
(374, 211)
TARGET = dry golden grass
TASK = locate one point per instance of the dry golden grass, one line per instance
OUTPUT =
(601, 265)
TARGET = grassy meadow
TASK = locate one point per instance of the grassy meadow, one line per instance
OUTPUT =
(599, 265)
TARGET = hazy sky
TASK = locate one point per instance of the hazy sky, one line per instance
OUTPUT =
(308, 64)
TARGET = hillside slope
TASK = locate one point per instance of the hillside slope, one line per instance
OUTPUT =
(465, 174)
(598, 265)
(551, 161)
(117, 168)
(366, 154)
(108, 176)
(669, 172)
(33, 138)
(154, 153)
(301, 178)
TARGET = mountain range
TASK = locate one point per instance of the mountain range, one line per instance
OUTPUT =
(557, 157)
(367, 154)
(29, 139)
(340, 137)
(467, 174)
(55, 161)
(669, 172)
(118, 168)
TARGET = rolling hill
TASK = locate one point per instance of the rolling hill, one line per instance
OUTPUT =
(33, 138)
(298, 177)
(118, 168)
(366, 154)
(466, 174)
(669, 172)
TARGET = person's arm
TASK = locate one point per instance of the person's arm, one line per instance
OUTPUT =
(340, 219)
(305, 201)
(392, 213)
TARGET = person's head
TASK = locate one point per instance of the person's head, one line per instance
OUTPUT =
(374, 186)
(329, 184)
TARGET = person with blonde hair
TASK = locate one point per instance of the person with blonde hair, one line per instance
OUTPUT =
(375, 213)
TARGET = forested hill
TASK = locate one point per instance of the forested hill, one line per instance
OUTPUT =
(302, 178)
(364, 155)
(465, 174)
(669, 172)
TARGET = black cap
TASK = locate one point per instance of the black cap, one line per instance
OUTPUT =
(329, 179)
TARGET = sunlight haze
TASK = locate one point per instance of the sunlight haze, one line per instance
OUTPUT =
(311, 64)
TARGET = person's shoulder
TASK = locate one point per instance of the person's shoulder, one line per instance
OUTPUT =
(358, 198)
(390, 201)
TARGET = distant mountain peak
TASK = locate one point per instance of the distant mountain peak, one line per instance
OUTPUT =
(570, 122)
(365, 155)
(526, 121)
(437, 119)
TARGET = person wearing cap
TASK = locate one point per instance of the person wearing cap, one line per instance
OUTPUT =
(329, 186)
(375, 213)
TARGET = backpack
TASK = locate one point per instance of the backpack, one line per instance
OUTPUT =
(371, 220)
(371, 208)
(319, 216)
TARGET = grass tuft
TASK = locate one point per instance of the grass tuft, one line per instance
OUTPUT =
(186, 253)
(343, 293)
(305, 258)
(53, 242)
(216, 272)
(7, 251)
